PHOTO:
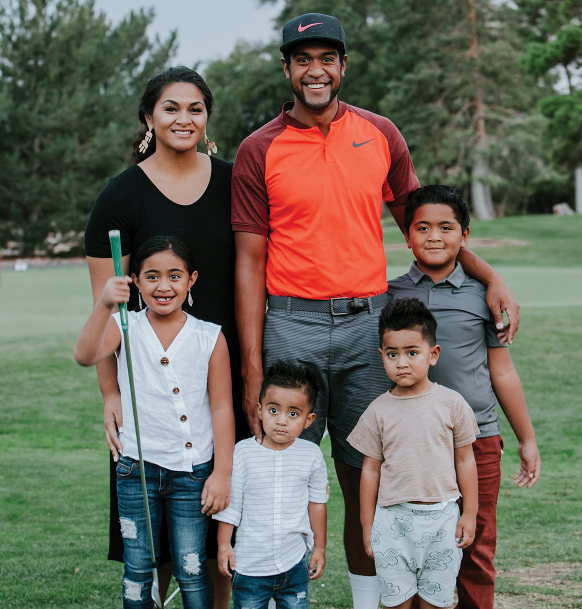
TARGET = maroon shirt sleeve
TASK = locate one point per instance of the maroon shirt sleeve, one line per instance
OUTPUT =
(401, 179)
(250, 199)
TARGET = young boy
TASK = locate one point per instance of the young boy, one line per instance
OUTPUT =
(278, 494)
(418, 459)
(472, 362)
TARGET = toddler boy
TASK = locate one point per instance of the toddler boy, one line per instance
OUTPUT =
(472, 362)
(278, 494)
(418, 460)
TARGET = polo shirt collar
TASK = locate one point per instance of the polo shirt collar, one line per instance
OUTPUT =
(292, 122)
(456, 278)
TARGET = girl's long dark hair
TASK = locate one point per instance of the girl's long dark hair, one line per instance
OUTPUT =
(152, 94)
(155, 245)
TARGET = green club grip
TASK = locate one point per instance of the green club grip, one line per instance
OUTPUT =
(115, 240)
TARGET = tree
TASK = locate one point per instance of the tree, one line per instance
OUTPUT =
(68, 94)
(557, 45)
(464, 94)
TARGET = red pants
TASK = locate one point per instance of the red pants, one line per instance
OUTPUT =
(476, 579)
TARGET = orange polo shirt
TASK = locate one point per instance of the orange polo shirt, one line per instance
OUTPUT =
(318, 200)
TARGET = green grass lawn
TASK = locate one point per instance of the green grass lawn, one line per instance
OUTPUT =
(54, 477)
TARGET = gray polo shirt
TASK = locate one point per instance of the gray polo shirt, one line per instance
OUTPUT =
(465, 329)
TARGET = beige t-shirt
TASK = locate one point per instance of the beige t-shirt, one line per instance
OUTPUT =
(415, 438)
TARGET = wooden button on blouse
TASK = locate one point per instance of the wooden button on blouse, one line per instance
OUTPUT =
(188, 444)
(164, 361)
(183, 418)
(176, 391)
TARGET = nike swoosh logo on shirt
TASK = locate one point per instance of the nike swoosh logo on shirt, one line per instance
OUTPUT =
(302, 29)
(358, 145)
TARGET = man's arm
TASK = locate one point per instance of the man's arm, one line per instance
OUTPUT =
(499, 296)
(509, 392)
(250, 296)
(369, 485)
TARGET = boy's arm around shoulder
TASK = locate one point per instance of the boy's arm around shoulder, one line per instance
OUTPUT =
(509, 393)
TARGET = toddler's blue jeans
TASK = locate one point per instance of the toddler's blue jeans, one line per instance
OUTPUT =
(178, 494)
(289, 589)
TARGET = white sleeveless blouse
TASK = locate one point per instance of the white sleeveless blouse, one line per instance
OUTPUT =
(171, 390)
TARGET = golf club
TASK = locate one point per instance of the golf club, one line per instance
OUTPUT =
(114, 238)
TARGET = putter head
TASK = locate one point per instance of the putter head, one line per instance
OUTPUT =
(156, 591)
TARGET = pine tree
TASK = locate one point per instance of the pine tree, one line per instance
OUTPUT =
(557, 46)
(70, 83)
(464, 94)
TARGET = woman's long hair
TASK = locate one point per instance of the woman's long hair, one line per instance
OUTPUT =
(152, 94)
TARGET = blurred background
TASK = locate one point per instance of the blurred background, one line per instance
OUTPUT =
(486, 93)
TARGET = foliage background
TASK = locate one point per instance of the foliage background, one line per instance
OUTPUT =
(468, 82)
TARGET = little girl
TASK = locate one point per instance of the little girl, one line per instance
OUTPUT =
(183, 392)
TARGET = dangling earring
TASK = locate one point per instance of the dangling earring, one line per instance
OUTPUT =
(145, 142)
(210, 146)
(140, 302)
(190, 301)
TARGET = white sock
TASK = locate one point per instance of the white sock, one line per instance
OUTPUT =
(365, 590)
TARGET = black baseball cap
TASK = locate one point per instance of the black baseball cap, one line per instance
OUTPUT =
(313, 26)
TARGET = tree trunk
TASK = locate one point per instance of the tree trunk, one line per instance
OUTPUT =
(579, 190)
(481, 193)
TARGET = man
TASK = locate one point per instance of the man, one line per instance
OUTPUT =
(308, 188)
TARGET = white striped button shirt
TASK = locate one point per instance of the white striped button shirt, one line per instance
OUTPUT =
(269, 496)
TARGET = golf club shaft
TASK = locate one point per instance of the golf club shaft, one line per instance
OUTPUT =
(115, 240)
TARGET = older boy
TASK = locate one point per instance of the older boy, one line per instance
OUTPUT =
(418, 460)
(472, 362)
(278, 494)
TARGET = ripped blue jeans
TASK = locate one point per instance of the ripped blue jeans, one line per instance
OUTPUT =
(289, 589)
(178, 494)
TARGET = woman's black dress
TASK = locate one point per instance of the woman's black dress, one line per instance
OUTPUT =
(132, 204)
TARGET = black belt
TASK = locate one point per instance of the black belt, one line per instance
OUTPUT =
(333, 306)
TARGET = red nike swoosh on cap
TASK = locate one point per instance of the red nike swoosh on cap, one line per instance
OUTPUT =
(301, 29)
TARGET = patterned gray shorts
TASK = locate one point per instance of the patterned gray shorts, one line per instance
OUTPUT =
(415, 551)
(343, 353)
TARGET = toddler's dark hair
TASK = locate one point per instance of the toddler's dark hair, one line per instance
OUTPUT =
(408, 314)
(436, 194)
(155, 245)
(283, 373)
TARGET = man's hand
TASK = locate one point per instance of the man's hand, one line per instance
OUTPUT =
(225, 559)
(368, 542)
(499, 299)
(466, 530)
(530, 464)
(113, 419)
(317, 563)
(252, 388)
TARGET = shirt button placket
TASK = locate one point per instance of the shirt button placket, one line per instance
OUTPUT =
(180, 406)
(277, 508)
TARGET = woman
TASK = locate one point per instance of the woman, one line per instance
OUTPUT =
(171, 190)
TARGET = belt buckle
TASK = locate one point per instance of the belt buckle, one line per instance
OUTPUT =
(331, 305)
